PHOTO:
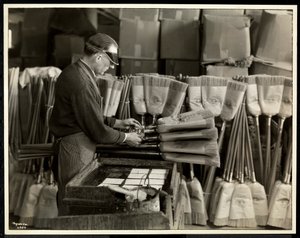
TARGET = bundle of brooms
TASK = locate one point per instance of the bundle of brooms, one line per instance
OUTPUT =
(38, 89)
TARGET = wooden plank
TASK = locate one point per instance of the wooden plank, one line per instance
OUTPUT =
(129, 221)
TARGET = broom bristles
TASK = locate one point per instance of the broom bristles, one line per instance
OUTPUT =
(261, 220)
(137, 81)
(270, 80)
(288, 82)
(221, 221)
(199, 219)
(277, 222)
(193, 81)
(250, 79)
(210, 122)
(211, 133)
(213, 81)
(178, 86)
(187, 218)
(236, 86)
(244, 222)
(157, 81)
(212, 148)
(202, 113)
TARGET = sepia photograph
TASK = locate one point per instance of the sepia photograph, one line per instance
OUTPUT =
(149, 119)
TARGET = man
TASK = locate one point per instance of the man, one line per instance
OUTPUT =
(77, 119)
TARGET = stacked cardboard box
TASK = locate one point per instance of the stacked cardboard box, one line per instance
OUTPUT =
(139, 38)
(274, 43)
(226, 35)
(180, 41)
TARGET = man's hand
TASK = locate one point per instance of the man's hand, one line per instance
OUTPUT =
(133, 139)
(127, 123)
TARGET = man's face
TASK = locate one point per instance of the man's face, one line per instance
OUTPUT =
(101, 64)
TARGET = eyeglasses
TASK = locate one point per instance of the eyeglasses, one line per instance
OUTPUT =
(113, 58)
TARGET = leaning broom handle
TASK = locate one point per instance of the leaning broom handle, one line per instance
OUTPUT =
(260, 156)
(276, 156)
(212, 170)
(268, 145)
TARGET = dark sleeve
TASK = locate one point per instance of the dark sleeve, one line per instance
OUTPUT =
(91, 120)
(110, 121)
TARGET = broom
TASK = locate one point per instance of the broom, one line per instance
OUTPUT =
(192, 158)
(156, 94)
(115, 98)
(194, 93)
(31, 199)
(288, 219)
(47, 205)
(211, 133)
(176, 95)
(260, 202)
(221, 207)
(242, 210)
(280, 202)
(105, 86)
(215, 192)
(270, 91)
(213, 90)
(200, 124)
(28, 179)
(190, 116)
(233, 99)
(198, 210)
(255, 110)
(29, 206)
(202, 147)
(285, 111)
(138, 99)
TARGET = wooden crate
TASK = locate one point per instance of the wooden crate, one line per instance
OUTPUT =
(93, 207)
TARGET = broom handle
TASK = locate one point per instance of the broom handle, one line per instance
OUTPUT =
(249, 150)
(229, 148)
(268, 145)
(276, 156)
(212, 170)
(211, 173)
(260, 156)
(192, 174)
(288, 159)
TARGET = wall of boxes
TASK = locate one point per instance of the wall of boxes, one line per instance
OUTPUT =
(221, 42)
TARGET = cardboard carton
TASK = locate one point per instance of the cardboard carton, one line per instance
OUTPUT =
(222, 12)
(179, 40)
(139, 39)
(225, 71)
(263, 68)
(274, 41)
(255, 15)
(144, 14)
(184, 67)
(225, 36)
(133, 66)
(179, 14)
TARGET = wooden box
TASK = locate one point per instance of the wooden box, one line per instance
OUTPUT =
(94, 207)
